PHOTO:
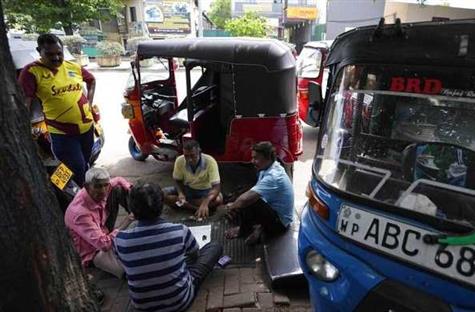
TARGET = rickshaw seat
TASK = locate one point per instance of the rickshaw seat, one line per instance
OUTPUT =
(180, 119)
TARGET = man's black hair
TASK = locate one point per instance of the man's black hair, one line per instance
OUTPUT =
(146, 201)
(191, 144)
(45, 39)
(266, 149)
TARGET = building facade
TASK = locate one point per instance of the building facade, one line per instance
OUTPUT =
(161, 18)
(343, 15)
(299, 19)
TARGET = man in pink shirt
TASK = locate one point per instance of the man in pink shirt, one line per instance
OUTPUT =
(91, 216)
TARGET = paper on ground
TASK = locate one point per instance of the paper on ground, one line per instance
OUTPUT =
(200, 232)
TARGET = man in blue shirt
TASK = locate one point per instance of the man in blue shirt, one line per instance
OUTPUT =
(268, 206)
(162, 262)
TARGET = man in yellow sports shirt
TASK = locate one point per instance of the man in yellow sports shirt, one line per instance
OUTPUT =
(197, 181)
(58, 84)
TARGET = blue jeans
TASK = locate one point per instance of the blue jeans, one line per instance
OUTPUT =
(74, 151)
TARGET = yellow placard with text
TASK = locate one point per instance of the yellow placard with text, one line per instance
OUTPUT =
(302, 13)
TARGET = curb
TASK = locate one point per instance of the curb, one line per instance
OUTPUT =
(108, 69)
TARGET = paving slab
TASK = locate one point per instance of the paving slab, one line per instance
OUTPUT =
(246, 275)
(231, 281)
(247, 299)
(255, 287)
(280, 298)
(265, 300)
(215, 299)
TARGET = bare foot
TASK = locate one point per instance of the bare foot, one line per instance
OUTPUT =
(255, 236)
(232, 233)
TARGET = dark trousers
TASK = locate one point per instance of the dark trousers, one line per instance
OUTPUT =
(74, 151)
(204, 264)
(118, 196)
(259, 213)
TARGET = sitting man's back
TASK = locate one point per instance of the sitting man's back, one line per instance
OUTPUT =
(155, 256)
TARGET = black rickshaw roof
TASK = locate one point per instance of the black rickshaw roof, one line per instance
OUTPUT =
(448, 43)
(269, 53)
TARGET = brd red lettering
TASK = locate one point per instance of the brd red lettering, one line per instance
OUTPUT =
(413, 85)
(397, 84)
(432, 86)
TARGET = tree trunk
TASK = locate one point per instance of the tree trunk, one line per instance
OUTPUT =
(68, 29)
(39, 268)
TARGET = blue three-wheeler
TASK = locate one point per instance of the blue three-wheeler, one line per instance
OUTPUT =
(390, 220)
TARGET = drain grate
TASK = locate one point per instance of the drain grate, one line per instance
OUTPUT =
(240, 253)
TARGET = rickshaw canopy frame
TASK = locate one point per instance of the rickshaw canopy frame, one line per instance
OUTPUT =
(268, 53)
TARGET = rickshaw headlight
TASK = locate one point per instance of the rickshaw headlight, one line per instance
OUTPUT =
(127, 111)
(320, 267)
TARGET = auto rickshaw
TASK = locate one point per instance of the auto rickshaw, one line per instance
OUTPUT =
(245, 93)
(390, 220)
(309, 68)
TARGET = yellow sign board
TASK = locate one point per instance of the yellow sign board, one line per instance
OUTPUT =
(307, 13)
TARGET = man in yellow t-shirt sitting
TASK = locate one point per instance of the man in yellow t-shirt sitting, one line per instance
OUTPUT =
(197, 181)
(58, 84)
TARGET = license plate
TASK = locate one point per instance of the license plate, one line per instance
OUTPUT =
(61, 176)
(405, 241)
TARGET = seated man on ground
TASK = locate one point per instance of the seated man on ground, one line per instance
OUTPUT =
(163, 264)
(197, 181)
(268, 206)
(91, 216)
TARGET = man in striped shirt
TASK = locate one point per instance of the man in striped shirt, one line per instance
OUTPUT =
(162, 261)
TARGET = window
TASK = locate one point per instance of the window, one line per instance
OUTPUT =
(133, 14)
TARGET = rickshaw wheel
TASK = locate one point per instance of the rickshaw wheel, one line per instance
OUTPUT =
(135, 151)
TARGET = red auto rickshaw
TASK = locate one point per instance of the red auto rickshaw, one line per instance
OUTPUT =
(309, 69)
(245, 93)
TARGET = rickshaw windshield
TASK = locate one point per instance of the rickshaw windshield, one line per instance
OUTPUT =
(403, 136)
(151, 69)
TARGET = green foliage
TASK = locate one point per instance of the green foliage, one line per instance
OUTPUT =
(248, 25)
(220, 13)
(74, 43)
(109, 48)
(42, 15)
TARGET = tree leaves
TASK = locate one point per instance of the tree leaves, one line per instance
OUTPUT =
(248, 25)
(42, 15)
(220, 13)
